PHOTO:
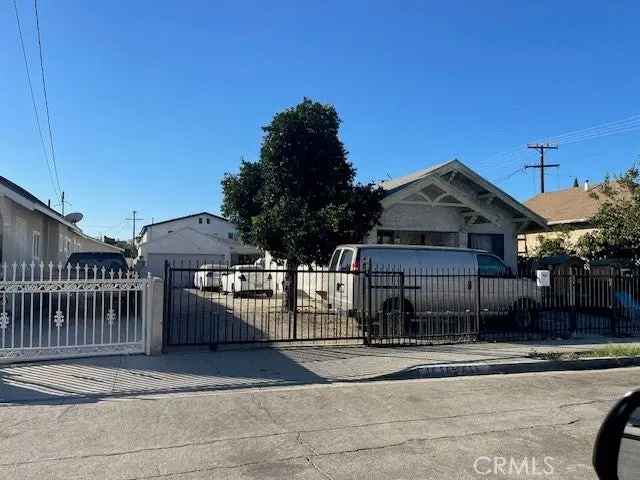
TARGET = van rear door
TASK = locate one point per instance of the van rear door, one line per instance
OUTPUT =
(344, 284)
(332, 277)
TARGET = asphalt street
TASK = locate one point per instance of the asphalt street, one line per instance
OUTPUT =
(511, 426)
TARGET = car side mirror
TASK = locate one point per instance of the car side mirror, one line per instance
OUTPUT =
(616, 453)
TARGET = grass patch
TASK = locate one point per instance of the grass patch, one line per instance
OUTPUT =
(610, 350)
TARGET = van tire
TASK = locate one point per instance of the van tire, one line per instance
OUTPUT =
(386, 328)
(525, 314)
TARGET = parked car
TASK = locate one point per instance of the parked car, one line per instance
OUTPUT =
(209, 277)
(422, 281)
(246, 279)
(109, 260)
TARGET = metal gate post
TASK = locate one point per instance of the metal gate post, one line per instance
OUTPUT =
(368, 309)
(167, 308)
(401, 326)
(477, 309)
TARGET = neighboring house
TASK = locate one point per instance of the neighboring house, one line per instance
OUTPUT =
(32, 231)
(451, 205)
(191, 240)
(567, 212)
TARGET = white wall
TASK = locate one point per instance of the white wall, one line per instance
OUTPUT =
(402, 216)
(216, 226)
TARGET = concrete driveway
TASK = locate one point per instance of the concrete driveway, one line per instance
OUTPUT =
(449, 428)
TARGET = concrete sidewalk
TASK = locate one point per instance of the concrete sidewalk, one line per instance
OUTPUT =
(89, 379)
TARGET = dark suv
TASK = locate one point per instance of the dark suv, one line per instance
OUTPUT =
(108, 260)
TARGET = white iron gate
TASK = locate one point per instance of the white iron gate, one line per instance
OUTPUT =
(48, 311)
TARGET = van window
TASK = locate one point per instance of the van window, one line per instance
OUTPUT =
(491, 267)
(345, 261)
(409, 259)
(333, 264)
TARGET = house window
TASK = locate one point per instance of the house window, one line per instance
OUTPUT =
(418, 237)
(200, 221)
(35, 245)
(230, 235)
(208, 221)
(491, 242)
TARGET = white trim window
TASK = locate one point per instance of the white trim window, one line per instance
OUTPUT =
(35, 245)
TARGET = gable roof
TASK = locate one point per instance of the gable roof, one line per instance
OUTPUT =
(144, 227)
(29, 200)
(571, 205)
(234, 245)
(395, 185)
(17, 189)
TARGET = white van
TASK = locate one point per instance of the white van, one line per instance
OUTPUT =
(424, 281)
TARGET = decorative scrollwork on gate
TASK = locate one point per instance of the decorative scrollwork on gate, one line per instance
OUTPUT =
(111, 316)
(58, 319)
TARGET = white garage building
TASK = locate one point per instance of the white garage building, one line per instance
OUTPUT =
(192, 240)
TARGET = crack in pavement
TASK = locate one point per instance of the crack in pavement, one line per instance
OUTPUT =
(315, 454)
(347, 452)
(286, 432)
(309, 459)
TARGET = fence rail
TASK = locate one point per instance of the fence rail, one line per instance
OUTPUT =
(50, 311)
(385, 305)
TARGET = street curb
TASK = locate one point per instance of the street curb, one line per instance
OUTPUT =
(534, 366)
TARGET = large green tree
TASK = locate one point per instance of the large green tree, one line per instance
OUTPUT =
(300, 199)
(617, 221)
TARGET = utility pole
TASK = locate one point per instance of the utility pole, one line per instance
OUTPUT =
(62, 203)
(134, 219)
(541, 147)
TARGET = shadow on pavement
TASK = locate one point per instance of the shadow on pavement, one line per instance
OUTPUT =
(91, 379)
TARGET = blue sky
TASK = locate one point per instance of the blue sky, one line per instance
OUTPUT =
(152, 101)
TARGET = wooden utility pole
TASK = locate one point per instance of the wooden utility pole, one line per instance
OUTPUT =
(134, 219)
(541, 147)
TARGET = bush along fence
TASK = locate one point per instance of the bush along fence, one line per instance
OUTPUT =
(54, 311)
(209, 304)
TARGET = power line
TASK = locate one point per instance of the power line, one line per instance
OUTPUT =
(625, 125)
(46, 99)
(56, 190)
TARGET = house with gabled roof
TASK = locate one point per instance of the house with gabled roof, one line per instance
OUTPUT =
(568, 213)
(32, 231)
(191, 240)
(451, 205)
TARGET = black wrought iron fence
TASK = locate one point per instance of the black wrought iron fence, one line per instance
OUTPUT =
(210, 304)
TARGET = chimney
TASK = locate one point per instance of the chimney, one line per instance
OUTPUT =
(586, 185)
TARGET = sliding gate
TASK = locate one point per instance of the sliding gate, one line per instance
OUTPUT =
(212, 305)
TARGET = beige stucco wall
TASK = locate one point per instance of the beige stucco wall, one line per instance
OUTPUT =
(528, 244)
(57, 241)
